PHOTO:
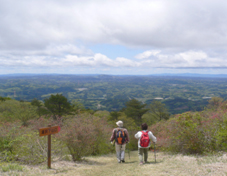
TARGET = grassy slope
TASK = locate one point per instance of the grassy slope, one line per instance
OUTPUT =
(107, 165)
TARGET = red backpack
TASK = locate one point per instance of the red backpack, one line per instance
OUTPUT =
(144, 139)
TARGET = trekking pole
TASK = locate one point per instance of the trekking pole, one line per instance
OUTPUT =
(154, 153)
(129, 153)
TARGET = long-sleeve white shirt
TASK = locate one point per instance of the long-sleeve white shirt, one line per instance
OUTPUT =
(150, 134)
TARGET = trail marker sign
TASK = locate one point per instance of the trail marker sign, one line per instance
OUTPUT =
(48, 131)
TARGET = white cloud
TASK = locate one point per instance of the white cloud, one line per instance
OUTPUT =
(124, 62)
(55, 33)
(187, 59)
(83, 58)
(162, 23)
(147, 54)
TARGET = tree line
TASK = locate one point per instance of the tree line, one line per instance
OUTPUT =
(58, 105)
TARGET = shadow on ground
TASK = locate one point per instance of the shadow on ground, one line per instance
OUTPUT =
(129, 162)
(153, 162)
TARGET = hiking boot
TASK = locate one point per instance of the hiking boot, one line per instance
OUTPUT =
(119, 161)
(122, 161)
(141, 163)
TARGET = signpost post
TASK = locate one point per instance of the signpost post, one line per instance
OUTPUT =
(48, 131)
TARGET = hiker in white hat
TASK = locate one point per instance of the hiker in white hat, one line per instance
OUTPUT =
(121, 137)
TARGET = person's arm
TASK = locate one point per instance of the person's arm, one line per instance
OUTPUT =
(112, 136)
(137, 135)
(127, 136)
(152, 137)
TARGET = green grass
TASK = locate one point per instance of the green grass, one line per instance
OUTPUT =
(107, 165)
(11, 167)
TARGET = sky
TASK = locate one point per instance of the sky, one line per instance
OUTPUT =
(117, 37)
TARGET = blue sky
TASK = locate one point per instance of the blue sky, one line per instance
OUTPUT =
(133, 37)
(114, 51)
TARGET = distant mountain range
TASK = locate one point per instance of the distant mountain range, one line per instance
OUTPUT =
(192, 75)
(163, 74)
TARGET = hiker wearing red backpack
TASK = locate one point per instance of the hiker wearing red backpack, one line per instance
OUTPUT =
(144, 142)
(120, 136)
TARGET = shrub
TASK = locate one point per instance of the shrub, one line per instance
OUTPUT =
(21, 143)
(12, 110)
(86, 135)
(9, 137)
(189, 132)
(33, 149)
(189, 136)
(163, 130)
(222, 134)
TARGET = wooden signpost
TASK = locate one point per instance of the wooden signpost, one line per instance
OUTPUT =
(48, 131)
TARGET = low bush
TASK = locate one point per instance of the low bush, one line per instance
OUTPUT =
(23, 144)
(12, 110)
(222, 134)
(9, 137)
(86, 135)
(190, 132)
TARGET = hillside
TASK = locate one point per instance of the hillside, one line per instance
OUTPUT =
(200, 136)
(107, 165)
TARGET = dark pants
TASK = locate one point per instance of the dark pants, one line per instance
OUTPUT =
(142, 151)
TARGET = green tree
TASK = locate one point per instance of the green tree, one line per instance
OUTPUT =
(158, 111)
(41, 110)
(102, 114)
(114, 116)
(36, 102)
(58, 105)
(135, 110)
(4, 98)
(214, 103)
(25, 113)
(149, 119)
(77, 106)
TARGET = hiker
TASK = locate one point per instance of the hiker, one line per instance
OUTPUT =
(144, 142)
(120, 136)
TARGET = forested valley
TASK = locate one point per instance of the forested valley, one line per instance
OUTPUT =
(108, 92)
(187, 114)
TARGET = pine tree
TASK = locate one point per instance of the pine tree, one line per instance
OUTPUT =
(135, 110)
(58, 105)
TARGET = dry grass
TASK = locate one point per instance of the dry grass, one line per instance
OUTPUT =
(171, 165)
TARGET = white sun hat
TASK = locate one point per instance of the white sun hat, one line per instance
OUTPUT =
(119, 123)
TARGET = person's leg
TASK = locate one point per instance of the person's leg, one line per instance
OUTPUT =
(145, 154)
(140, 152)
(123, 153)
(118, 152)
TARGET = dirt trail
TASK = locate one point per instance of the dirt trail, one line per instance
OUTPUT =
(171, 165)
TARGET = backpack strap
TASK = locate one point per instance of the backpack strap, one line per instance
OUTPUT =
(145, 132)
(121, 129)
(115, 132)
